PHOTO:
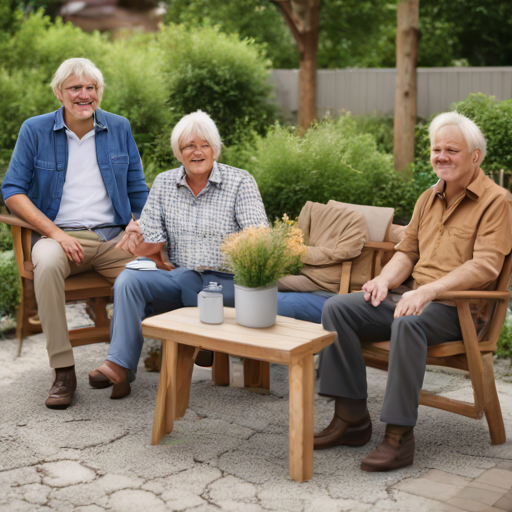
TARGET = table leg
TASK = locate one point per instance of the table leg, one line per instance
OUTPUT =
(301, 381)
(173, 388)
(220, 370)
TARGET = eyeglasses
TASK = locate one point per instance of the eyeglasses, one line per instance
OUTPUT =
(190, 148)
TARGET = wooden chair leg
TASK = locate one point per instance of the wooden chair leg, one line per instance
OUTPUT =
(256, 374)
(301, 382)
(492, 406)
(220, 369)
(101, 319)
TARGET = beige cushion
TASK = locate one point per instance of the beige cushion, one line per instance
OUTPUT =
(378, 218)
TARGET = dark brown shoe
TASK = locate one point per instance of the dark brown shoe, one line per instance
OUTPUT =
(396, 451)
(63, 388)
(204, 358)
(341, 433)
(113, 373)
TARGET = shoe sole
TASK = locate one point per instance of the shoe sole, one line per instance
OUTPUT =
(57, 406)
(350, 439)
(396, 465)
(121, 390)
(96, 383)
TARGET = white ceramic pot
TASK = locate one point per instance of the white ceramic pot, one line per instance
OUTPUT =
(256, 307)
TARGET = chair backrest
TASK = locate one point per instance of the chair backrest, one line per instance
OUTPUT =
(379, 218)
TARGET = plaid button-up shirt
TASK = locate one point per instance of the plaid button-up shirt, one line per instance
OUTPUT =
(194, 227)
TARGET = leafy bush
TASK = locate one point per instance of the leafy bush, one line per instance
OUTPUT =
(5, 238)
(505, 340)
(10, 287)
(331, 161)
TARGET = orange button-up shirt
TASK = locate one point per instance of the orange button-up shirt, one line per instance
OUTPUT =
(474, 233)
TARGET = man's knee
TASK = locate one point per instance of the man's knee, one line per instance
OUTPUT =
(49, 257)
(407, 329)
(128, 281)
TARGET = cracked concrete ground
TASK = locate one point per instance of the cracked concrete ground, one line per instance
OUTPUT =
(229, 452)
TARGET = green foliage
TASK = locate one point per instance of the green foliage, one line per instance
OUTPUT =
(255, 19)
(10, 286)
(495, 121)
(380, 126)
(332, 161)
(505, 340)
(5, 238)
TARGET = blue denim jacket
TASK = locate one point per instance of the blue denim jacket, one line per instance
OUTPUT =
(40, 160)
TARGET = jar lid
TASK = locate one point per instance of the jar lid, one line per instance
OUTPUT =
(212, 287)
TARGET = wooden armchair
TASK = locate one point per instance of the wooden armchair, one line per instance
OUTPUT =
(473, 353)
(89, 286)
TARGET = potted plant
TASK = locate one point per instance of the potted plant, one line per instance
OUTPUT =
(259, 256)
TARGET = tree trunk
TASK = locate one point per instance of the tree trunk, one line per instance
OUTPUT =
(302, 17)
(407, 37)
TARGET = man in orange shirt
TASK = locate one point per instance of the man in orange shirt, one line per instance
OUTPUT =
(458, 237)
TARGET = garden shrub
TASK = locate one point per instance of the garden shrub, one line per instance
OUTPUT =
(10, 286)
(5, 238)
(331, 161)
(505, 339)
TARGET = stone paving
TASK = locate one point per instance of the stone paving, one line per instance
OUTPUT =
(230, 451)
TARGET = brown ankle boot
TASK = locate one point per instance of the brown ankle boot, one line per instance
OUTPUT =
(350, 426)
(63, 388)
(396, 451)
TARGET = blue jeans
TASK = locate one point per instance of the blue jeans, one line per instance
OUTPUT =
(138, 294)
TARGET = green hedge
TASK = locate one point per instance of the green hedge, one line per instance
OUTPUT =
(332, 161)
(10, 286)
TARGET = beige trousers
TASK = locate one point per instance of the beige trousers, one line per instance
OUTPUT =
(51, 267)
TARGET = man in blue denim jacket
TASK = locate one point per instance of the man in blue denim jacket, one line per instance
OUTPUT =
(76, 175)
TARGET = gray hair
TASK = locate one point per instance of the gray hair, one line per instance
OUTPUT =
(468, 129)
(198, 123)
(83, 68)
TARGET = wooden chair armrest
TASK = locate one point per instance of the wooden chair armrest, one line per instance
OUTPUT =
(379, 246)
(473, 294)
(12, 220)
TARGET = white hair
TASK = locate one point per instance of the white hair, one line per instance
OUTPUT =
(468, 129)
(196, 124)
(82, 68)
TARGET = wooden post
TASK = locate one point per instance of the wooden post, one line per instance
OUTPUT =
(302, 17)
(407, 37)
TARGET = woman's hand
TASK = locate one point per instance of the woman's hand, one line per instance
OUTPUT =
(132, 238)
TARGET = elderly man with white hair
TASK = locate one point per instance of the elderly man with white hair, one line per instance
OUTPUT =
(76, 175)
(457, 239)
(191, 209)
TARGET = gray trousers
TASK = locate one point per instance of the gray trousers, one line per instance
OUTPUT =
(343, 370)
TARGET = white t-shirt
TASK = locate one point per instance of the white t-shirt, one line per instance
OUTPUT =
(85, 201)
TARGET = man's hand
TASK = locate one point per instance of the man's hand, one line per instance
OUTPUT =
(414, 302)
(130, 242)
(71, 246)
(375, 291)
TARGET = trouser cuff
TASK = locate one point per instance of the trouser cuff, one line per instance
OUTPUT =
(62, 359)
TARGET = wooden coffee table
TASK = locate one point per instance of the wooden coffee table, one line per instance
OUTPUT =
(289, 341)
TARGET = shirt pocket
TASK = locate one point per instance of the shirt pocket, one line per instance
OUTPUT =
(120, 163)
(461, 241)
(41, 165)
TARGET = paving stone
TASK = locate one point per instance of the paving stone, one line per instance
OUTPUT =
(505, 465)
(15, 505)
(448, 508)
(193, 481)
(177, 501)
(231, 487)
(81, 495)
(481, 485)
(428, 488)
(482, 495)
(59, 505)
(467, 505)
(64, 473)
(89, 508)
(128, 500)
(446, 478)
(19, 476)
(154, 487)
(405, 502)
(326, 504)
(497, 477)
(504, 503)
(236, 506)
(35, 493)
(111, 482)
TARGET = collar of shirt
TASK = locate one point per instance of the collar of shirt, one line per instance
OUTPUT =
(100, 121)
(474, 190)
(215, 176)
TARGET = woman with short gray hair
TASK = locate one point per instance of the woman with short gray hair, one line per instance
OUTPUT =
(191, 210)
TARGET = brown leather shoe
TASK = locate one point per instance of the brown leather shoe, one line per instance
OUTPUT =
(396, 451)
(63, 388)
(113, 373)
(340, 432)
